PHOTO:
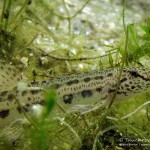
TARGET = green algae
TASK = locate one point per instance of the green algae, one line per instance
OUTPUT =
(37, 26)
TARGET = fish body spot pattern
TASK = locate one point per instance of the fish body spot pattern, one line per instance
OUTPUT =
(72, 90)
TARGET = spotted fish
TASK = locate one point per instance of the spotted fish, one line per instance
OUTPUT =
(94, 87)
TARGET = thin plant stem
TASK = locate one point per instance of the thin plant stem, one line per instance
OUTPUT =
(71, 129)
(19, 12)
(8, 9)
(3, 10)
(123, 15)
(69, 18)
(75, 59)
(27, 117)
(73, 16)
(28, 44)
(100, 120)
(121, 68)
(80, 9)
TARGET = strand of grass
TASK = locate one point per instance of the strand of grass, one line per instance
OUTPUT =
(147, 108)
(71, 129)
(126, 47)
(20, 11)
(80, 9)
(101, 133)
(136, 110)
(75, 59)
(27, 117)
(13, 29)
(117, 57)
(47, 6)
(147, 114)
(111, 46)
(121, 68)
(123, 15)
(132, 113)
(99, 121)
(24, 113)
(111, 61)
(73, 16)
(8, 9)
(45, 31)
(3, 10)
(62, 139)
(61, 108)
(135, 131)
(71, 122)
(74, 119)
(84, 120)
(57, 146)
(69, 18)
(112, 51)
(35, 36)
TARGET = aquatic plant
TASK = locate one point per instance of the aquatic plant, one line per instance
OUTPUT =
(33, 38)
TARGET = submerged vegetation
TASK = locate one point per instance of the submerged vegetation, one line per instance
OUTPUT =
(46, 39)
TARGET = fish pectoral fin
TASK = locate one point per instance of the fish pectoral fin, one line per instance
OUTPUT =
(83, 109)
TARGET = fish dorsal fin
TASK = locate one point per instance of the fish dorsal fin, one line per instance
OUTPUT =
(8, 77)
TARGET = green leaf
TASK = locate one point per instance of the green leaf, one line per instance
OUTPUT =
(50, 98)
(133, 39)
